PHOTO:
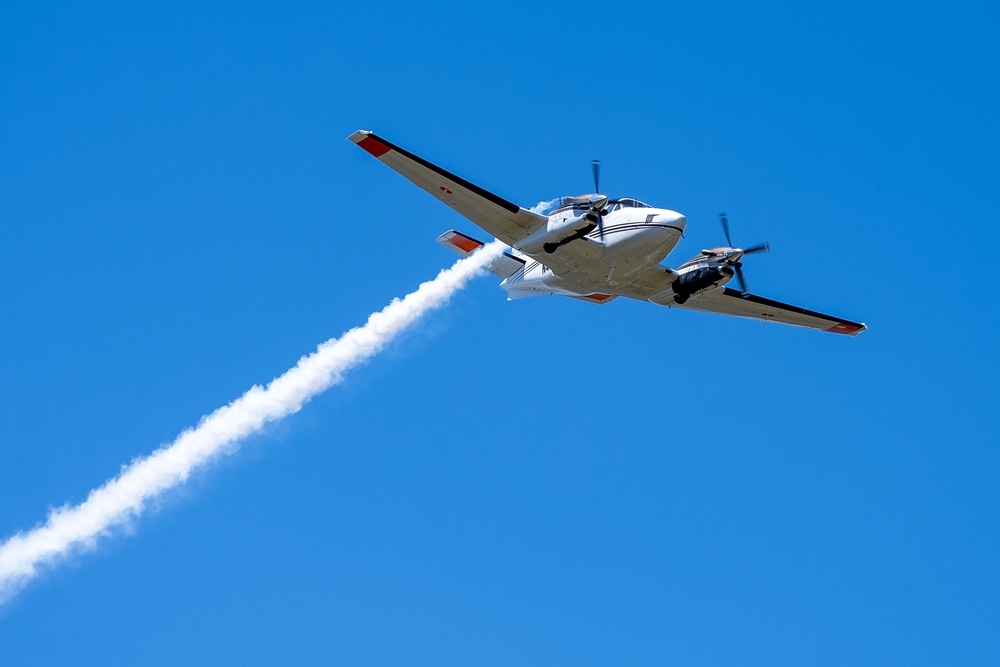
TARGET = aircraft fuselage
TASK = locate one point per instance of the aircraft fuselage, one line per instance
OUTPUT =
(634, 239)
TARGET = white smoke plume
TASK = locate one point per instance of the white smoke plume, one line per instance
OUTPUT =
(72, 528)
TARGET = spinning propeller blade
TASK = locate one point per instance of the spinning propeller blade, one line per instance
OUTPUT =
(596, 165)
(760, 247)
(741, 279)
(725, 228)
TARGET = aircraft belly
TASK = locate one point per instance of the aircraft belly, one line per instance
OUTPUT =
(585, 267)
(638, 250)
(565, 283)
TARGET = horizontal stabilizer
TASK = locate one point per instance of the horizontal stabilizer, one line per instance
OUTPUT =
(518, 294)
(503, 266)
(462, 244)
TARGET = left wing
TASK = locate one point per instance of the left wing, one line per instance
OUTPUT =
(727, 301)
(506, 221)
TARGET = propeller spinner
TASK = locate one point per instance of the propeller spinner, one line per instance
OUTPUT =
(734, 255)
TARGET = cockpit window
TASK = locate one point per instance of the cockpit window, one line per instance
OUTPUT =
(546, 208)
(629, 203)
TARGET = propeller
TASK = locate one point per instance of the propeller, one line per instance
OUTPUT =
(596, 165)
(725, 228)
(738, 265)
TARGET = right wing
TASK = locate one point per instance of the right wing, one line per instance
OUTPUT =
(506, 221)
(727, 301)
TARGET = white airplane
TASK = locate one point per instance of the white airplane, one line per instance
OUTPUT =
(596, 249)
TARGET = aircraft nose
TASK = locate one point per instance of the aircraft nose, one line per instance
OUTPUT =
(673, 219)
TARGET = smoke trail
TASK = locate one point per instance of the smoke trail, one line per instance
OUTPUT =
(107, 507)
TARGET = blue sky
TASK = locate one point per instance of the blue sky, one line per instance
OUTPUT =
(181, 217)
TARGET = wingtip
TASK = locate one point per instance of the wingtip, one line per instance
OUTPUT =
(367, 140)
(848, 328)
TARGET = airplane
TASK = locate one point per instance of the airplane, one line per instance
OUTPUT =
(596, 249)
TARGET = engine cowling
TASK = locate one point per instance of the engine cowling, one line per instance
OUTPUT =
(556, 232)
(698, 280)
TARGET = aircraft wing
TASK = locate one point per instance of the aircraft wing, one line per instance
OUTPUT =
(506, 221)
(727, 301)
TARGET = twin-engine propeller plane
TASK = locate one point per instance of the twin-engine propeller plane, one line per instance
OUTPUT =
(596, 249)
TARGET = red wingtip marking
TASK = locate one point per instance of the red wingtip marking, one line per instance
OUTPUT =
(844, 328)
(464, 243)
(374, 146)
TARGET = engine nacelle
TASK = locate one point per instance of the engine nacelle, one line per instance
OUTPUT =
(699, 280)
(557, 232)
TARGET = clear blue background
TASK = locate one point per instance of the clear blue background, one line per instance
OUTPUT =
(511, 483)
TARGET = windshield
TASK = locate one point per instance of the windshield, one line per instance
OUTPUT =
(583, 201)
(626, 203)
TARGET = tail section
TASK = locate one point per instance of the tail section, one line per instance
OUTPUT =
(504, 266)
